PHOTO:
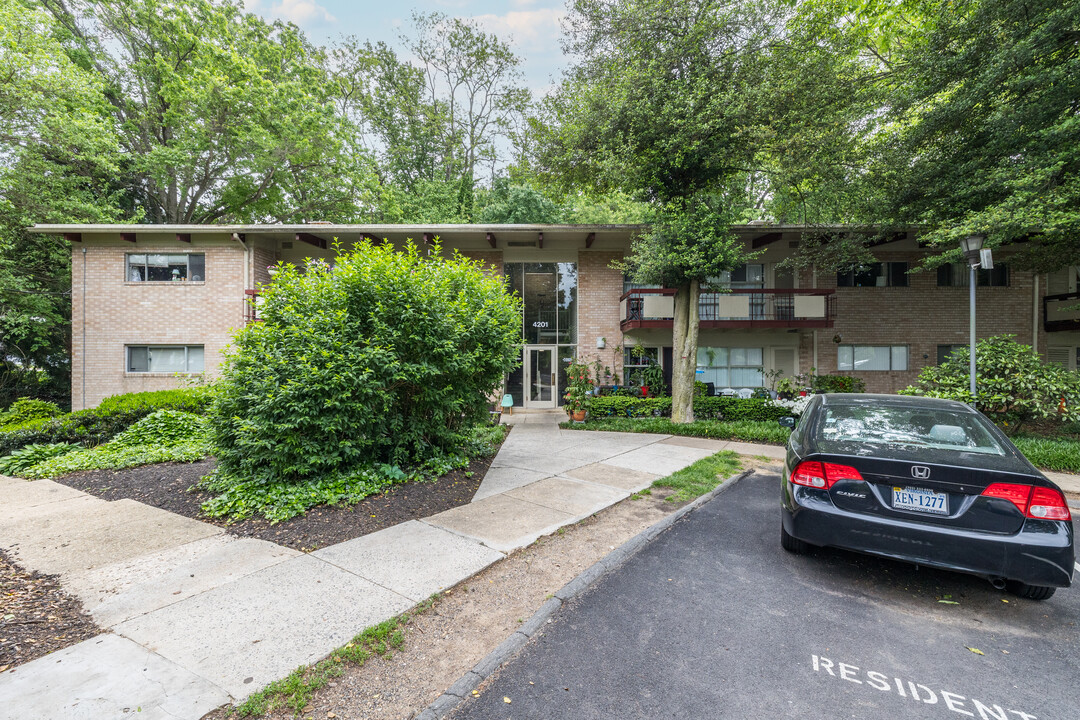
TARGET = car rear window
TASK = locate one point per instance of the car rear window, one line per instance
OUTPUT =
(909, 427)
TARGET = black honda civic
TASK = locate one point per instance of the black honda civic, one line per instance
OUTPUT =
(929, 481)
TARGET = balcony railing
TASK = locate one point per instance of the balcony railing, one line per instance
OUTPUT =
(756, 308)
(1061, 312)
(251, 306)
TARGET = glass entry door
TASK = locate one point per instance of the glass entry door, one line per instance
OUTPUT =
(540, 380)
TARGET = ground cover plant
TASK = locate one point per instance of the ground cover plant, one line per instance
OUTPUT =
(95, 426)
(163, 436)
(1050, 453)
(769, 432)
(705, 408)
(362, 375)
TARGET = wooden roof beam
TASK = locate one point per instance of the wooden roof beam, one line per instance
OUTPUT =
(183, 237)
(127, 237)
(491, 240)
(73, 237)
(373, 239)
(540, 240)
(589, 240)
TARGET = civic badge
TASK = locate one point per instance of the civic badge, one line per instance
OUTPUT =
(920, 472)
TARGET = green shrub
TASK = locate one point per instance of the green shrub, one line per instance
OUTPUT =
(388, 358)
(164, 428)
(17, 462)
(837, 384)
(715, 408)
(1012, 383)
(25, 410)
(746, 430)
(95, 426)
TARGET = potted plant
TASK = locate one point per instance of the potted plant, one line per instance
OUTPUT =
(578, 391)
(652, 380)
(786, 388)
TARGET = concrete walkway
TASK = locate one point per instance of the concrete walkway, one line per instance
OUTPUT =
(198, 618)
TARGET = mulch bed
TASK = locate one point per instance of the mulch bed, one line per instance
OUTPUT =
(169, 486)
(36, 616)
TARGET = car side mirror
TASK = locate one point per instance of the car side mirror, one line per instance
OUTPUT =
(788, 422)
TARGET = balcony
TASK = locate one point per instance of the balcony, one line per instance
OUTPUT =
(738, 309)
(1061, 312)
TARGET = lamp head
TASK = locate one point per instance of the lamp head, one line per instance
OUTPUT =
(971, 245)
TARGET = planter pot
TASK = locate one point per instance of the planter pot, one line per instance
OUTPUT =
(578, 416)
(644, 391)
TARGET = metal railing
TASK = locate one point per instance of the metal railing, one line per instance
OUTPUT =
(738, 308)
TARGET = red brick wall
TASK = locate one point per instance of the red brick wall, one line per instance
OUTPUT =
(599, 288)
(120, 313)
(921, 316)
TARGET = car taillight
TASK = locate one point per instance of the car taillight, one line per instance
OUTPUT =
(811, 473)
(1048, 504)
(1039, 503)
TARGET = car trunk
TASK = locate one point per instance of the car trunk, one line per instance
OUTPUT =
(926, 492)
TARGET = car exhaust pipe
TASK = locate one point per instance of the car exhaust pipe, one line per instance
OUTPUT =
(998, 582)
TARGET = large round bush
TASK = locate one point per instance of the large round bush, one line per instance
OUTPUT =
(1012, 382)
(386, 358)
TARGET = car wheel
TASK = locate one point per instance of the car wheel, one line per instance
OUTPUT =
(1031, 592)
(792, 544)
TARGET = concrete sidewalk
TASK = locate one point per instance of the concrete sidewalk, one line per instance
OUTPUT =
(199, 618)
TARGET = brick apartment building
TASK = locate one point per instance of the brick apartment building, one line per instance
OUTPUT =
(153, 303)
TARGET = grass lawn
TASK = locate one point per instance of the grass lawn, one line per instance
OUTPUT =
(1061, 453)
(770, 433)
(701, 477)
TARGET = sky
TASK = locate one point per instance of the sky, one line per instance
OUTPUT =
(531, 26)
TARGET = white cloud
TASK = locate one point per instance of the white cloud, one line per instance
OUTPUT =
(529, 29)
(301, 12)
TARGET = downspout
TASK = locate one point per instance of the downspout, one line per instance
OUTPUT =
(83, 348)
(1035, 311)
(247, 264)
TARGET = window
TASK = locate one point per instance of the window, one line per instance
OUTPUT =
(549, 297)
(872, 357)
(634, 362)
(957, 274)
(164, 358)
(750, 276)
(730, 367)
(944, 351)
(889, 274)
(165, 268)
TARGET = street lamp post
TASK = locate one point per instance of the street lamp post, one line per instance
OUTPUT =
(971, 247)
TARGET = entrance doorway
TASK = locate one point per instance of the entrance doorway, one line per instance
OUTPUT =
(540, 377)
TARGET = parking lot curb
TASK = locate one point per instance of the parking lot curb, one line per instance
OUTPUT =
(462, 689)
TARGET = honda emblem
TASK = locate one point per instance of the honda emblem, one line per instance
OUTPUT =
(920, 472)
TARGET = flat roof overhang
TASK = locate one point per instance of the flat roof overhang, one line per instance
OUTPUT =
(474, 236)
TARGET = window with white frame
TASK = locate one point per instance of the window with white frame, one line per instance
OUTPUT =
(164, 358)
(635, 359)
(731, 367)
(154, 267)
(872, 357)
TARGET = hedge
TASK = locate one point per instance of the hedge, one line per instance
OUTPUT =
(715, 408)
(95, 426)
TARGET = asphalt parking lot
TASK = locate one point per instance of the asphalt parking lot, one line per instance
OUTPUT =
(714, 620)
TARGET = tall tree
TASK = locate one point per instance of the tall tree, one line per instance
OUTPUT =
(476, 76)
(58, 158)
(221, 115)
(673, 102)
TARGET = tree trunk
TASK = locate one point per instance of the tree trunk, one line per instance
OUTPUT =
(684, 354)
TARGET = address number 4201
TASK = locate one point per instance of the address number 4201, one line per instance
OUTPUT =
(540, 324)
